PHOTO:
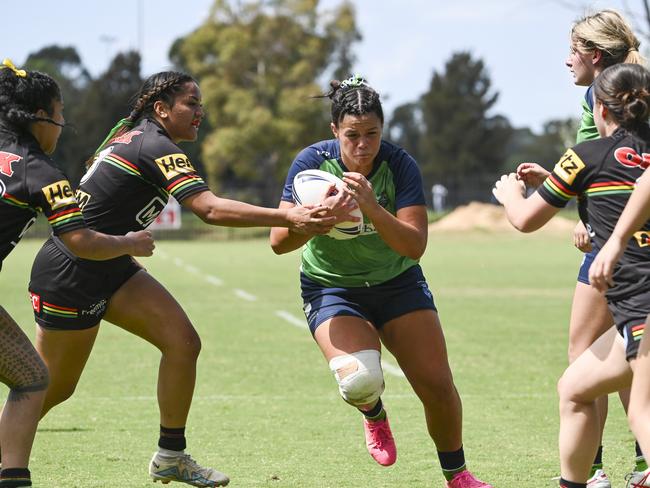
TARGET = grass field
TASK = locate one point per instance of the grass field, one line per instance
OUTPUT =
(266, 408)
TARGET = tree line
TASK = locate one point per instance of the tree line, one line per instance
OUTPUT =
(260, 65)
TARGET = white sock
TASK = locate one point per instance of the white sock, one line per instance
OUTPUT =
(169, 453)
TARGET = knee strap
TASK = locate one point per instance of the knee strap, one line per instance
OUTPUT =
(359, 375)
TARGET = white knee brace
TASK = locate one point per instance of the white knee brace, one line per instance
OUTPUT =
(359, 375)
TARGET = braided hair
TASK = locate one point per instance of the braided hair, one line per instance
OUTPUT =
(624, 89)
(353, 97)
(163, 86)
(22, 94)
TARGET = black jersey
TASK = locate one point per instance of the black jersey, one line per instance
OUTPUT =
(130, 181)
(30, 183)
(605, 171)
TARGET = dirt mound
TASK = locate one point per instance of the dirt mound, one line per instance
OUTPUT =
(491, 218)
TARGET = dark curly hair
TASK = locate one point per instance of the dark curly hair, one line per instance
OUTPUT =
(22, 96)
(354, 97)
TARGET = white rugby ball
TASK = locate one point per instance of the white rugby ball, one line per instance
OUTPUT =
(310, 187)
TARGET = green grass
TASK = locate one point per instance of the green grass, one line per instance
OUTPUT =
(266, 408)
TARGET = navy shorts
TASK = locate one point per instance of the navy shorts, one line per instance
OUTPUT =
(630, 316)
(377, 304)
(587, 259)
(70, 293)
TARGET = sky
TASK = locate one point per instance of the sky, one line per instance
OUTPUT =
(523, 43)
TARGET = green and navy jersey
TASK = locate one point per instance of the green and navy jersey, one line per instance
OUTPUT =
(605, 171)
(130, 181)
(365, 260)
(587, 130)
(30, 183)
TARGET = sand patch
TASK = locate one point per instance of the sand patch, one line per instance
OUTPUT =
(491, 218)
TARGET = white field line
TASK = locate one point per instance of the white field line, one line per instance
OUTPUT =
(244, 295)
(293, 320)
(213, 280)
(286, 316)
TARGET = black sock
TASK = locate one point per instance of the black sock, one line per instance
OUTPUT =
(15, 477)
(374, 412)
(598, 460)
(570, 484)
(452, 462)
(172, 439)
(637, 449)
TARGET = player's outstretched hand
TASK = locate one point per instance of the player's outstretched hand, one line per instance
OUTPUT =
(532, 174)
(507, 186)
(581, 238)
(311, 219)
(141, 242)
(602, 269)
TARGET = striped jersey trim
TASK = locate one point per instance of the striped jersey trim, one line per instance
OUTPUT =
(65, 217)
(12, 200)
(610, 188)
(183, 183)
(558, 189)
(59, 311)
(123, 164)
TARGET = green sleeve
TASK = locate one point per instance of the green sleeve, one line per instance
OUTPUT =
(587, 130)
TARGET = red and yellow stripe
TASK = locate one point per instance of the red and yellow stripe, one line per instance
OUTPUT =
(553, 185)
(60, 311)
(610, 188)
(123, 164)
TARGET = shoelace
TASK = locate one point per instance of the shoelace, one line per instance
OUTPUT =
(640, 484)
(468, 478)
(380, 431)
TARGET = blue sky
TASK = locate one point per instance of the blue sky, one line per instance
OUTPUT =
(523, 42)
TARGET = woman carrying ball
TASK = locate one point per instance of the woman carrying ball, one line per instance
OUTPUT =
(370, 290)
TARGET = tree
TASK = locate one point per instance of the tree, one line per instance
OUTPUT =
(460, 139)
(545, 149)
(258, 64)
(405, 128)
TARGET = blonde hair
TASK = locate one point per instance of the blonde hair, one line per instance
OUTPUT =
(611, 34)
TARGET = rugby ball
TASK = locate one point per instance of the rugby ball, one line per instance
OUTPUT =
(312, 186)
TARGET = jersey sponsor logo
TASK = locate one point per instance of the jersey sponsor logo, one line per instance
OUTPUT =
(642, 238)
(6, 160)
(59, 194)
(3, 188)
(29, 223)
(569, 166)
(126, 138)
(174, 164)
(82, 198)
(151, 210)
(629, 158)
(96, 308)
(382, 200)
(96, 161)
(36, 301)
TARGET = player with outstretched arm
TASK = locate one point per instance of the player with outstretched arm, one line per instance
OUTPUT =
(604, 170)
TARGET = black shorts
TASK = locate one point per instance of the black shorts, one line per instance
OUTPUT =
(630, 318)
(70, 293)
(377, 304)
